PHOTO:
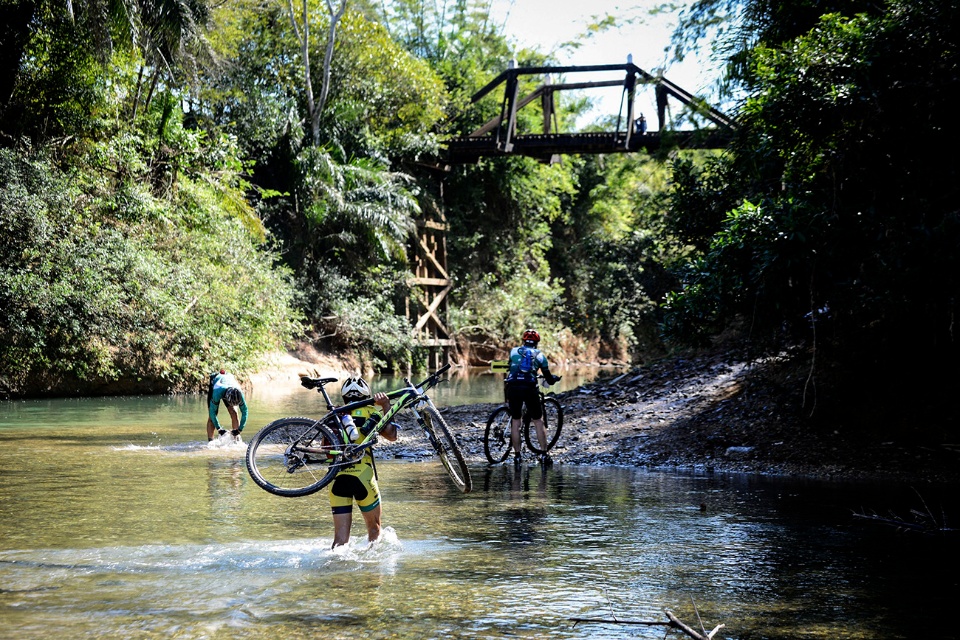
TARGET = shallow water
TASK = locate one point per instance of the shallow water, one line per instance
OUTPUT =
(117, 521)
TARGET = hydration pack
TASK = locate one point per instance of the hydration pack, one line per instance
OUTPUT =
(527, 367)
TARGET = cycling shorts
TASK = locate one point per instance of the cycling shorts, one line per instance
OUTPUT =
(355, 483)
(519, 395)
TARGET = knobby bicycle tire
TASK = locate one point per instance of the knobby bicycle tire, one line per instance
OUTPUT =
(447, 448)
(552, 424)
(496, 439)
(277, 462)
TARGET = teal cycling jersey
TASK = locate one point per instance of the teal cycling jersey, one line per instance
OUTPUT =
(219, 383)
(525, 362)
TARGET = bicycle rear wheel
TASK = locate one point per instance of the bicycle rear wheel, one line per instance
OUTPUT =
(295, 457)
(496, 439)
(552, 424)
(447, 448)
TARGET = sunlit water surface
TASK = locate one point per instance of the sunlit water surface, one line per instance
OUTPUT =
(117, 521)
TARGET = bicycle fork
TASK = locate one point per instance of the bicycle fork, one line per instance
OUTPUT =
(428, 429)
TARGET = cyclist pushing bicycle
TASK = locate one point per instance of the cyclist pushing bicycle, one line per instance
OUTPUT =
(521, 389)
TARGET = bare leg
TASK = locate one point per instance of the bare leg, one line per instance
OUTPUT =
(341, 528)
(210, 429)
(515, 434)
(541, 433)
(372, 520)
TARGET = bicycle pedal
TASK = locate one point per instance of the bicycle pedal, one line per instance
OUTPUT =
(352, 455)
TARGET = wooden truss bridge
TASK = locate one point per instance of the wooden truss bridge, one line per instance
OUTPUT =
(499, 136)
(427, 309)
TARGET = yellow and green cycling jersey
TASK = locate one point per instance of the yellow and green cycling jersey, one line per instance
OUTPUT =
(358, 481)
(365, 419)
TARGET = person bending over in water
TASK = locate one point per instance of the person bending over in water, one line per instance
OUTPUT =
(223, 386)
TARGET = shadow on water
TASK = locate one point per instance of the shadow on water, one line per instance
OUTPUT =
(135, 526)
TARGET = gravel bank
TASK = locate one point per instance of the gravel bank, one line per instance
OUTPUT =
(714, 412)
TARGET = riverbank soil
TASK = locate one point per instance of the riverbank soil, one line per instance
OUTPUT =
(723, 412)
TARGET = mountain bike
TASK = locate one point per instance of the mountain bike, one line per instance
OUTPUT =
(496, 439)
(295, 457)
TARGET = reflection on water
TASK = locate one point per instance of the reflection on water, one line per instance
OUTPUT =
(117, 519)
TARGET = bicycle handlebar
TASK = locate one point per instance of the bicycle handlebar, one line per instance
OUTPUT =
(436, 374)
(428, 383)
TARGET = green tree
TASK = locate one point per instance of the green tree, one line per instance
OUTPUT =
(611, 251)
(845, 232)
(384, 103)
(345, 209)
(118, 291)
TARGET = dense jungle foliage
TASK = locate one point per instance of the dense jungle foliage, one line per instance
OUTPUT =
(180, 190)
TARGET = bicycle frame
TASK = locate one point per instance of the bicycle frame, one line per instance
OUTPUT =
(410, 396)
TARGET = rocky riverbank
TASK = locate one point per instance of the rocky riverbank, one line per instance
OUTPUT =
(714, 412)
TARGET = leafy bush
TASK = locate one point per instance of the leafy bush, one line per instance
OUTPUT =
(359, 315)
(103, 303)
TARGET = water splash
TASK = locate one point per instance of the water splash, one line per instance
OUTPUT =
(227, 441)
(385, 548)
(313, 553)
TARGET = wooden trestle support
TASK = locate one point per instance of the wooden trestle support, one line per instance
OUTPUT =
(427, 305)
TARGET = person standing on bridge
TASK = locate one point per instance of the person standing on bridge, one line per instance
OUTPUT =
(224, 386)
(521, 389)
(641, 124)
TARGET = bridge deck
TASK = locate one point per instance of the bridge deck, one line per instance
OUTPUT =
(545, 146)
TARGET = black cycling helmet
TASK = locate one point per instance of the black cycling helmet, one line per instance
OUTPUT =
(354, 389)
(531, 336)
(232, 397)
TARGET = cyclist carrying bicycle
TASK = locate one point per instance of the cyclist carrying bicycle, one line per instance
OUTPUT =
(358, 482)
(521, 389)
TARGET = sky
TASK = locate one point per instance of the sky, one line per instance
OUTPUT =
(547, 24)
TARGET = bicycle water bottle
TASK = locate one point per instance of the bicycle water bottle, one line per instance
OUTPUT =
(350, 428)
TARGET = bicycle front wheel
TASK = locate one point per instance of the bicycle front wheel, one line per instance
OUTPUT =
(552, 424)
(447, 448)
(496, 439)
(294, 457)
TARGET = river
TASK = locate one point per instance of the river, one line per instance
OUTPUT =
(118, 520)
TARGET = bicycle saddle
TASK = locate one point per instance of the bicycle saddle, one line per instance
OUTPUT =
(313, 383)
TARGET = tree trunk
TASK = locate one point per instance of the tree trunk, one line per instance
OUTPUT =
(136, 95)
(328, 57)
(303, 35)
(15, 34)
(315, 107)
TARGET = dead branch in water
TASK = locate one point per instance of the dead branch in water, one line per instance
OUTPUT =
(922, 521)
(672, 621)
